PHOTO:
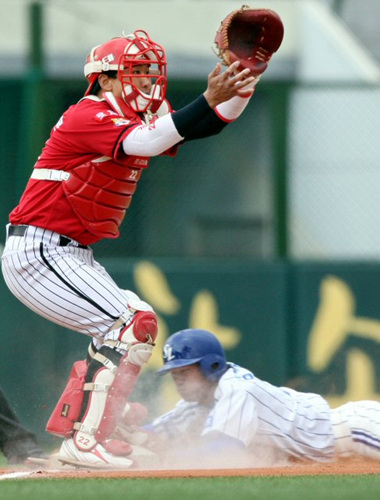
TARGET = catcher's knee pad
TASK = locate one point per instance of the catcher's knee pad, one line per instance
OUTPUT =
(138, 324)
(142, 328)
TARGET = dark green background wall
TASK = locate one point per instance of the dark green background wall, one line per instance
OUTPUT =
(262, 312)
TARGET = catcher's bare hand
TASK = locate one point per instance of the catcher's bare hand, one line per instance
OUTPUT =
(222, 86)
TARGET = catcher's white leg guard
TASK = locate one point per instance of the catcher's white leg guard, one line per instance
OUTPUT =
(356, 427)
(110, 379)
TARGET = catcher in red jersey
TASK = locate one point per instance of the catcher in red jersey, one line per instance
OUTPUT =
(78, 193)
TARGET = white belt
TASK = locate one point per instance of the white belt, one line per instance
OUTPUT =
(47, 174)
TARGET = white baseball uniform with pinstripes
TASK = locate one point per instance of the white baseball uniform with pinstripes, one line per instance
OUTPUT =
(64, 284)
(265, 417)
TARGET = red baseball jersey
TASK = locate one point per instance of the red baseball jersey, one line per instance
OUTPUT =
(87, 131)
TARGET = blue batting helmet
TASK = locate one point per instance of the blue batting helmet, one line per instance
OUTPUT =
(188, 347)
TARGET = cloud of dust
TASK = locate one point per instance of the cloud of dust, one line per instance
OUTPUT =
(181, 452)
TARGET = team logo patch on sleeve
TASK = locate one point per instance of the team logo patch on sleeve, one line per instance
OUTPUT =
(120, 122)
(102, 115)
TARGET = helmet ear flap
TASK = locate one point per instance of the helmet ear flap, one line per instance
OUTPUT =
(213, 366)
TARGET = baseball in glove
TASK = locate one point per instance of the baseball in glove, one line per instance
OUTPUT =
(250, 36)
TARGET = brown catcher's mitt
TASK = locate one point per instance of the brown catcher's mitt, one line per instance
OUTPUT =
(250, 36)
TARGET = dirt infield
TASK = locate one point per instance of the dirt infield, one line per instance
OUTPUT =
(340, 468)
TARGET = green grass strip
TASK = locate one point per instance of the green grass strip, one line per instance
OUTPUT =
(218, 488)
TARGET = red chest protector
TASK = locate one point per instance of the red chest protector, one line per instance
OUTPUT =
(100, 191)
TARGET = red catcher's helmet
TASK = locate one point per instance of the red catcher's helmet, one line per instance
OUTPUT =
(122, 54)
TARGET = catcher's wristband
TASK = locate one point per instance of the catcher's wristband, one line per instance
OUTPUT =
(185, 119)
(230, 110)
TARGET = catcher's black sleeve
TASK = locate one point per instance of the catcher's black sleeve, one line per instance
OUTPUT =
(210, 125)
(188, 117)
(197, 120)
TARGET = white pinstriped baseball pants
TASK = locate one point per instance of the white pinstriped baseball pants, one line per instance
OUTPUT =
(64, 284)
(356, 427)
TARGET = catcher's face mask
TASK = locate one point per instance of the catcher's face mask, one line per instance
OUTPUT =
(143, 59)
(134, 57)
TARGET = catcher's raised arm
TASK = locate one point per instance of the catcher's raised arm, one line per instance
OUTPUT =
(250, 36)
